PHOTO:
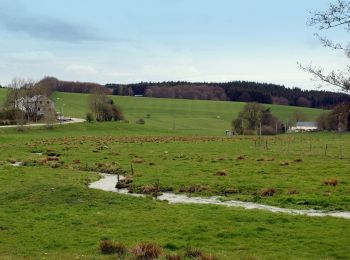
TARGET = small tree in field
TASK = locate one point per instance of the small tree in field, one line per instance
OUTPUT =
(103, 108)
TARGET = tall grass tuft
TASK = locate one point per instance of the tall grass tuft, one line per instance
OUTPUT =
(146, 251)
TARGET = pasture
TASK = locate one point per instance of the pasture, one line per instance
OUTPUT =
(48, 211)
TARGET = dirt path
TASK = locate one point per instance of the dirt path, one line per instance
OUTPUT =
(72, 121)
(108, 182)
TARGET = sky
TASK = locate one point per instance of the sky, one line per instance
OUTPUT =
(127, 41)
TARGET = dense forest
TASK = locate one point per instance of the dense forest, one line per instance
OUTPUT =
(243, 91)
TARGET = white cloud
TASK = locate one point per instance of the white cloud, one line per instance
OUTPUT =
(31, 56)
(81, 69)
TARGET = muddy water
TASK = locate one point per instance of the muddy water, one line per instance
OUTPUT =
(108, 182)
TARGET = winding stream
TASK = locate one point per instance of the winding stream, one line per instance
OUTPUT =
(108, 182)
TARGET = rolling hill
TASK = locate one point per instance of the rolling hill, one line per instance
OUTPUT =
(187, 116)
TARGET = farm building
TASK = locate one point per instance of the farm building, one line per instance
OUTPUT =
(39, 105)
(302, 126)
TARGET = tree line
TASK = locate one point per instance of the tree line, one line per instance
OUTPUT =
(239, 91)
(243, 91)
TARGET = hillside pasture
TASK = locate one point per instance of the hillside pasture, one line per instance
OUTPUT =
(179, 115)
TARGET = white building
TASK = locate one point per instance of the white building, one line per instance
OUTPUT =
(302, 126)
(37, 105)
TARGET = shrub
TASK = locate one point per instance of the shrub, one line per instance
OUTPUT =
(106, 247)
(331, 182)
(267, 192)
(140, 121)
(146, 251)
(89, 117)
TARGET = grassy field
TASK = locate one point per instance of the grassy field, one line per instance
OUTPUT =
(48, 212)
(185, 116)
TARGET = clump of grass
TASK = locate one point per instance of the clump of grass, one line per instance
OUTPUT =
(267, 192)
(146, 251)
(193, 253)
(264, 159)
(55, 165)
(110, 168)
(52, 159)
(221, 173)
(106, 247)
(173, 257)
(120, 249)
(76, 161)
(138, 160)
(241, 157)
(298, 160)
(109, 247)
(331, 182)
(11, 160)
(124, 183)
(140, 121)
(192, 189)
(50, 152)
(285, 163)
(292, 192)
(208, 257)
(149, 189)
(228, 191)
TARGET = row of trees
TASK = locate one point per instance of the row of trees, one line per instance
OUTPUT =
(243, 91)
(51, 84)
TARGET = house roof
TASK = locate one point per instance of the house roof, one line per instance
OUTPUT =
(306, 124)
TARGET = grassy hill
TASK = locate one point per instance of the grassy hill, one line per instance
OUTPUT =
(210, 117)
(182, 116)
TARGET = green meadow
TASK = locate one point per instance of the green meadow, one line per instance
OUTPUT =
(48, 211)
(183, 116)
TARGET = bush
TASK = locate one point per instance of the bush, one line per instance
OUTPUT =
(140, 121)
(146, 251)
(89, 117)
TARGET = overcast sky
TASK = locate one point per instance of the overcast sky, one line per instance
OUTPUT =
(114, 41)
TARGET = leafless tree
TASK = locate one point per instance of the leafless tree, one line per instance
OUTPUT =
(336, 16)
